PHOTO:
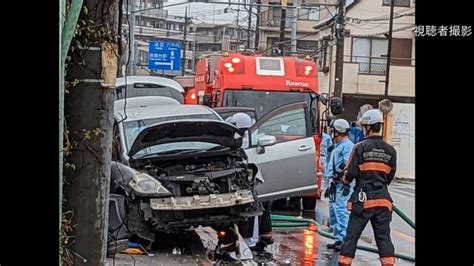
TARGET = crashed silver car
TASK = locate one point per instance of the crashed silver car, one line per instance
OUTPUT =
(176, 166)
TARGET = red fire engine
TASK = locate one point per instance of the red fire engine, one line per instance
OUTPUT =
(263, 83)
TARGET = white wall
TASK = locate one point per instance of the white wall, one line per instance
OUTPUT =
(403, 139)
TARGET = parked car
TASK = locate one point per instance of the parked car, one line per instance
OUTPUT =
(137, 86)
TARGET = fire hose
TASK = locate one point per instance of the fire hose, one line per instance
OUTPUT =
(287, 221)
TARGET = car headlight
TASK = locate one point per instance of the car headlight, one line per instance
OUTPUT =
(145, 185)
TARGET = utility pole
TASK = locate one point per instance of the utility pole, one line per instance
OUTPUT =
(340, 20)
(132, 64)
(249, 28)
(257, 26)
(389, 49)
(282, 26)
(294, 28)
(89, 107)
(238, 14)
(183, 59)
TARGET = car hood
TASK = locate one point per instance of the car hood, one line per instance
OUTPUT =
(211, 131)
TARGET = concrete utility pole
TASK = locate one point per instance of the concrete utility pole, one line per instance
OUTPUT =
(284, 3)
(89, 109)
(257, 26)
(340, 20)
(389, 49)
(249, 28)
(294, 28)
(183, 59)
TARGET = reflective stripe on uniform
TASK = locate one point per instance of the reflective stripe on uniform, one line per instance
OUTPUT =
(374, 166)
(344, 260)
(387, 261)
(373, 203)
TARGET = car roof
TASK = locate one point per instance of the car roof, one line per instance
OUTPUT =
(139, 113)
(144, 101)
(150, 79)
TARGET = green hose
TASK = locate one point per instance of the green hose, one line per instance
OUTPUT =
(286, 221)
(404, 216)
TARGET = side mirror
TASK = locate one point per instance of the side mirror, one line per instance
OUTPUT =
(206, 100)
(263, 142)
(324, 98)
(336, 105)
(266, 140)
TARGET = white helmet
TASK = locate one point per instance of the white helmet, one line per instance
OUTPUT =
(340, 125)
(371, 117)
(241, 120)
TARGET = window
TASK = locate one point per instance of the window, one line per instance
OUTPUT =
(289, 125)
(306, 45)
(263, 101)
(168, 26)
(370, 54)
(309, 14)
(404, 3)
(143, 57)
(274, 15)
(401, 52)
(325, 57)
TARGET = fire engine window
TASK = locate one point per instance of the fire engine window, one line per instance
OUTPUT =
(263, 101)
(270, 66)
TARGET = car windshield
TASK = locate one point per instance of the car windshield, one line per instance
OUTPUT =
(133, 128)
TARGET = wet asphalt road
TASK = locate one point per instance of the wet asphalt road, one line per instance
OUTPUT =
(291, 247)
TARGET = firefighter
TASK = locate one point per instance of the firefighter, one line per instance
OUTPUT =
(372, 164)
(337, 192)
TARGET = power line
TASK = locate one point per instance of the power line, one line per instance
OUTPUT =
(384, 32)
(382, 17)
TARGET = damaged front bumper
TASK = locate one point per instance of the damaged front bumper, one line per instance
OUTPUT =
(197, 202)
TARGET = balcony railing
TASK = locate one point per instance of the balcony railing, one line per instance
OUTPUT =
(370, 65)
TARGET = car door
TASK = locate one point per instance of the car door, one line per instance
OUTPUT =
(288, 166)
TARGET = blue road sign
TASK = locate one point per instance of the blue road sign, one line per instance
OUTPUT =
(164, 55)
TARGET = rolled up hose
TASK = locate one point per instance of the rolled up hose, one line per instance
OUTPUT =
(286, 221)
